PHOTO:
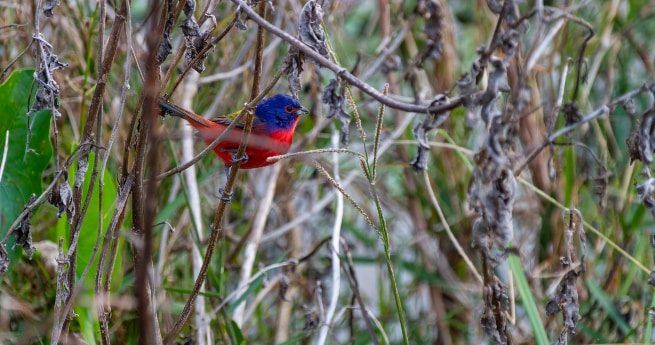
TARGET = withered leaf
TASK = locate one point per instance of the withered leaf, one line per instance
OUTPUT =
(646, 193)
(48, 6)
(432, 12)
(4, 259)
(566, 301)
(421, 130)
(641, 142)
(47, 94)
(310, 29)
(487, 100)
(334, 97)
(196, 41)
(165, 46)
(571, 113)
(509, 40)
(61, 197)
(293, 62)
(23, 233)
(491, 196)
(493, 320)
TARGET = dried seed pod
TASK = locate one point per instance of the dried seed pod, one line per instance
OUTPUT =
(571, 113)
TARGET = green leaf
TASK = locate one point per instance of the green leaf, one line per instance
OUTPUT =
(236, 333)
(29, 149)
(527, 299)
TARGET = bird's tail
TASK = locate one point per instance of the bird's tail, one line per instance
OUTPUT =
(194, 119)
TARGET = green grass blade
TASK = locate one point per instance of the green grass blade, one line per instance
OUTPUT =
(527, 299)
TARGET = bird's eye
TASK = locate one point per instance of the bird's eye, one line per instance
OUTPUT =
(288, 109)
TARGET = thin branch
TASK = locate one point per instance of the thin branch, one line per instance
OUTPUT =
(342, 72)
(29, 208)
(605, 109)
(444, 222)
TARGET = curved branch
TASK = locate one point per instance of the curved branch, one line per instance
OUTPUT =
(389, 101)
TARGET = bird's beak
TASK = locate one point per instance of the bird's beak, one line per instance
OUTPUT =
(302, 111)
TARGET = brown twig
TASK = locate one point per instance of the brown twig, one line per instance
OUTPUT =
(202, 53)
(217, 226)
(144, 208)
(343, 73)
(606, 108)
(349, 268)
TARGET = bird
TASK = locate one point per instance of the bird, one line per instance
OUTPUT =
(275, 122)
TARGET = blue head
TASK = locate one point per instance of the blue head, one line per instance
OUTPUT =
(279, 112)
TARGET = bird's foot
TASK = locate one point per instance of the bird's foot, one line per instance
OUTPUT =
(239, 159)
(225, 196)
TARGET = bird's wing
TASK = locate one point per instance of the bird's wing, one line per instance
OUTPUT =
(226, 120)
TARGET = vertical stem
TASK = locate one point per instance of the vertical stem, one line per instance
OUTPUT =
(144, 208)
(336, 237)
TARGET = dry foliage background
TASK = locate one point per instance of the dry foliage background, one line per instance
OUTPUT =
(494, 186)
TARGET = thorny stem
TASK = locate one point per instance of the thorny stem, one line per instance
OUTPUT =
(344, 73)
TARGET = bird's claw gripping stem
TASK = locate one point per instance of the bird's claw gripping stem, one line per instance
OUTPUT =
(239, 159)
(225, 196)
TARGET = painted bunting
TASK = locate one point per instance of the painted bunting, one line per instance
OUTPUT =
(275, 121)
